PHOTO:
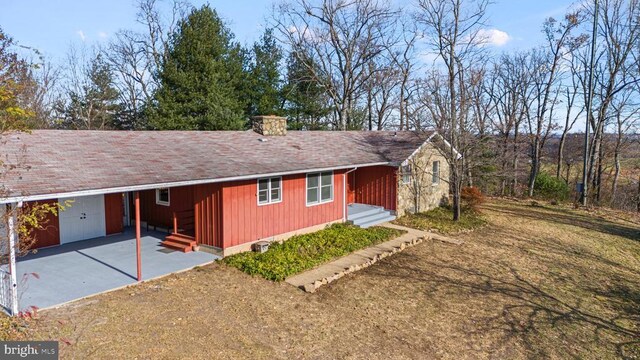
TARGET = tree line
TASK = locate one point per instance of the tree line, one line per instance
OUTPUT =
(373, 65)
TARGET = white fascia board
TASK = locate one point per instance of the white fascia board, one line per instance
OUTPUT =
(406, 162)
(15, 199)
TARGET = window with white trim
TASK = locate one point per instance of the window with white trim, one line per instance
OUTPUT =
(162, 196)
(269, 190)
(319, 188)
(435, 180)
(406, 174)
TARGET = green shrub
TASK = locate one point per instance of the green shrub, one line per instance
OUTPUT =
(551, 188)
(302, 252)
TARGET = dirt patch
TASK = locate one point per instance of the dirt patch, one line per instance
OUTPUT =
(536, 282)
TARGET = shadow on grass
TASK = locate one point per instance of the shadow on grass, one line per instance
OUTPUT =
(566, 217)
(527, 310)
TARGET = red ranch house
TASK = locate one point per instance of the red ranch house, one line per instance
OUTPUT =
(222, 191)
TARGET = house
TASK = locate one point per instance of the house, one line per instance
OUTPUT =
(222, 191)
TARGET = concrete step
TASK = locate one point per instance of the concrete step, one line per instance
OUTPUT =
(374, 219)
(378, 221)
(180, 239)
(372, 211)
(177, 246)
(180, 242)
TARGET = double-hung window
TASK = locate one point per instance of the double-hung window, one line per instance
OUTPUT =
(435, 180)
(406, 174)
(162, 196)
(269, 190)
(319, 187)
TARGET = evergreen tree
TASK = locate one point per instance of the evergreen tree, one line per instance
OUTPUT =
(307, 104)
(94, 103)
(202, 79)
(265, 83)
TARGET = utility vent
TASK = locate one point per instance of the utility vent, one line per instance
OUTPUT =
(261, 246)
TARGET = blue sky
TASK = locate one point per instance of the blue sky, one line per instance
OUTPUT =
(53, 25)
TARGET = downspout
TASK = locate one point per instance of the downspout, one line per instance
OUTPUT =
(344, 194)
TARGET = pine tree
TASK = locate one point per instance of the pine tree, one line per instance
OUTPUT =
(307, 104)
(202, 80)
(95, 102)
(265, 90)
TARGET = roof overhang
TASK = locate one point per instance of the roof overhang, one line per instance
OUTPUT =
(88, 192)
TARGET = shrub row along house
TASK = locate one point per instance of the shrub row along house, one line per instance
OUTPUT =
(222, 191)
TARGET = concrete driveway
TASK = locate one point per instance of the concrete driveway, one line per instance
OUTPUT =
(59, 274)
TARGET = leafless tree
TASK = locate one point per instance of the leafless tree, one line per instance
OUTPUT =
(615, 70)
(545, 68)
(452, 29)
(340, 39)
(573, 111)
(509, 81)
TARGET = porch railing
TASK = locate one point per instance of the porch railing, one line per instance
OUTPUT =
(184, 222)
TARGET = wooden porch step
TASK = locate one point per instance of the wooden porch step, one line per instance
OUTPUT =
(180, 242)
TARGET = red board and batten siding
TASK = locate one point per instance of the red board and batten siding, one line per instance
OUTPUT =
(180, 199)
(208, 214)
(377, 185)
(49, 235)
(113, 213)
(245, 221)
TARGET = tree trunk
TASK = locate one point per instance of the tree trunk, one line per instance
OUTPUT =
(402, 105)
(638, 196)
(614, 186)
(514, 183)
(535, 165)
(563, 138)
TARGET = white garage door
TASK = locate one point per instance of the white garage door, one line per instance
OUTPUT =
(84, 219)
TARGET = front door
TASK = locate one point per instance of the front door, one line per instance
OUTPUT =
(83, 219)
(351, 187)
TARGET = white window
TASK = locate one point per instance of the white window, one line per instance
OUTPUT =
(319, 188)
(435, 180)
(162, 196)
(406, 174)
(269, 190)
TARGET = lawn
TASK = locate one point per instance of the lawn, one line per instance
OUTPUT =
(303, 252)
(535, 282)
(440, 220)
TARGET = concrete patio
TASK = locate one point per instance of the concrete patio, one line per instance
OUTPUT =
(76, 270)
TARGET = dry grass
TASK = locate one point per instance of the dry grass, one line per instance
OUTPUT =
(537, 282)
(440, 220)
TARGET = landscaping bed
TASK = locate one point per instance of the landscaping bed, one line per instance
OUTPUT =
(303, 252)
(440, 220)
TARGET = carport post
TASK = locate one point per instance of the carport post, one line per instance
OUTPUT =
(137, 205)
(13, 236)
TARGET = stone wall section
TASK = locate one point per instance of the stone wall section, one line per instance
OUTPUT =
(421, 194)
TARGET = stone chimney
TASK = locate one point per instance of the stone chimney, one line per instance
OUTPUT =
(270, 125)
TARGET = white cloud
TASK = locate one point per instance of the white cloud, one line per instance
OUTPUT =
(493, 37)
(80, 33)
(102, 35)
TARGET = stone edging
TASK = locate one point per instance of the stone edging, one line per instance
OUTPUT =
(310, 288)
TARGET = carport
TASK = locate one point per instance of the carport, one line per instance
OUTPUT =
(60, 274)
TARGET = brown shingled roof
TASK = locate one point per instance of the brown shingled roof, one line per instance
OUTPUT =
(70, 161)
